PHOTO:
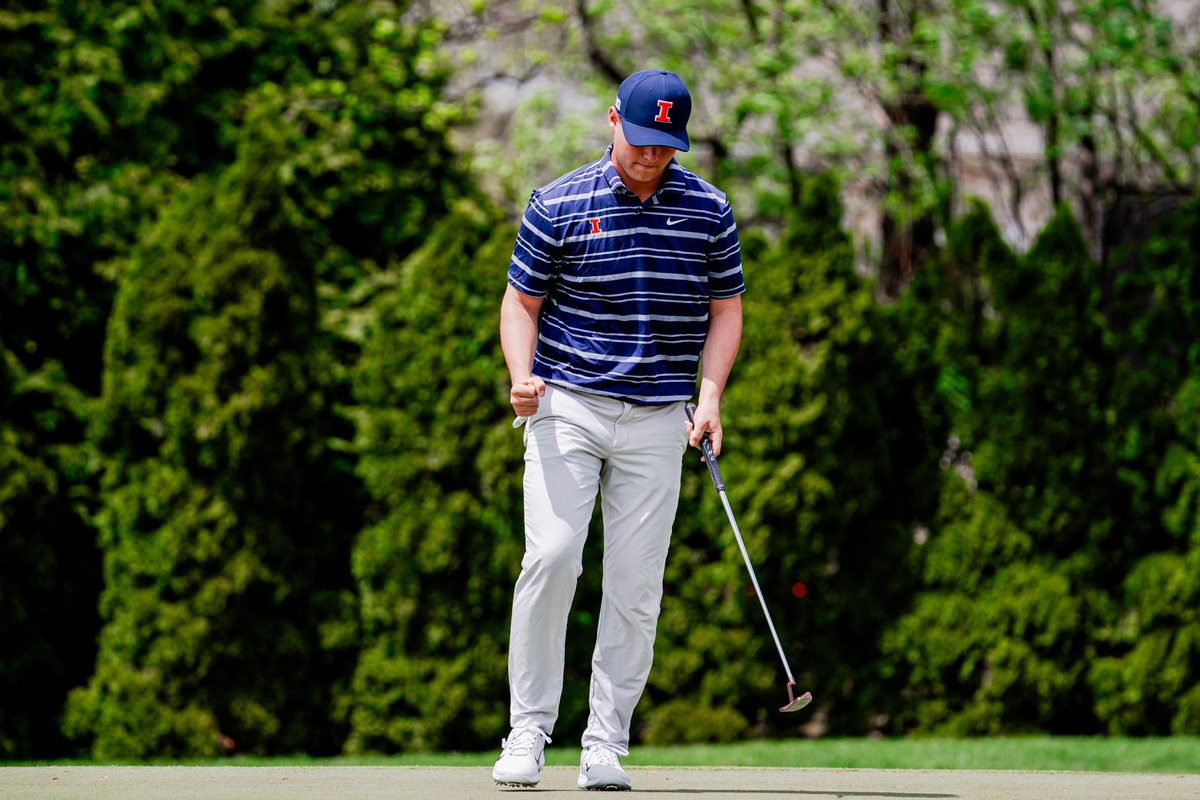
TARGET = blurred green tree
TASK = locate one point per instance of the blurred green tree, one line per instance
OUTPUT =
(828, 468)
(915, 104)
(440, 463)
(1147, 680)
(226, 521)
(80, 172)
(49, 562)
(229, 500)
(251, 391)
(1060, 421)
(1023, 546)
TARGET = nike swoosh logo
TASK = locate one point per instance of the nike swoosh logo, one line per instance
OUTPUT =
(674, 221)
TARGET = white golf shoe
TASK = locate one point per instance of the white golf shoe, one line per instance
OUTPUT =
(520, 764)
(599, 768)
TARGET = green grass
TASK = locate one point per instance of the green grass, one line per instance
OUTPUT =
(1176, 755)
(1169, 755)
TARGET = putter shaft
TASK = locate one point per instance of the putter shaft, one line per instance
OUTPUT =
(737, 534)
(710, 459)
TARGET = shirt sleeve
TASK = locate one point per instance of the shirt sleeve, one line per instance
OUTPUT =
(725, 277)
(536, 253)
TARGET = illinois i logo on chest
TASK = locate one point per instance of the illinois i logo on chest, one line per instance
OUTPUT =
(595, 225)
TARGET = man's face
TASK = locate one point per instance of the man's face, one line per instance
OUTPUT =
(639, 167)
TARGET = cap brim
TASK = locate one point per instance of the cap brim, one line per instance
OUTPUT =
(642, 136)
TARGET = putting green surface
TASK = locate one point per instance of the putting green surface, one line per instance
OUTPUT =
(462, 783)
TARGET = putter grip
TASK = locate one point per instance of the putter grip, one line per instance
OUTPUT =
(710, 458)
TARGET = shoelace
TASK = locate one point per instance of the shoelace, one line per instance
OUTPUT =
(602, 755)
(522, 741)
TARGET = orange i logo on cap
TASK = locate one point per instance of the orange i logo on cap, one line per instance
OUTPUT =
(664, 111)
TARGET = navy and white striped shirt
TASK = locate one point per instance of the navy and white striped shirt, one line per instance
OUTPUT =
(626, 284)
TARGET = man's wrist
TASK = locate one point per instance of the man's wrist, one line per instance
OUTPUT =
(710, 395)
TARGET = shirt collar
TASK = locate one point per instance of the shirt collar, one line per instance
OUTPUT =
(672, 182)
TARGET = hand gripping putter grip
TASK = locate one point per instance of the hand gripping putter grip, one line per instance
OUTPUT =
(794, 703)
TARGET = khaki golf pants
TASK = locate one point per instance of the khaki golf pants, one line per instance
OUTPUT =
(578, 445)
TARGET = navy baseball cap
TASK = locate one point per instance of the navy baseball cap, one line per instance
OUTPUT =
(654, 107)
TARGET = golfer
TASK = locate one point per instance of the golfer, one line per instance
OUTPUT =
(624, 285)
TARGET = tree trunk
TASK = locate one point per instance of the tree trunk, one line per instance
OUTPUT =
(908, 239)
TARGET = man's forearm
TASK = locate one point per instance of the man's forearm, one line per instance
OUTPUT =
(518, 333)
(720, 348)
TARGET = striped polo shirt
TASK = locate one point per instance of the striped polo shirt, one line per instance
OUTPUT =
(626, 284)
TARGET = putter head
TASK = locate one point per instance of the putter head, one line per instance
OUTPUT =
(796, 703)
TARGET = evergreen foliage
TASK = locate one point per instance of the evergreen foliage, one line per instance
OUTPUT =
(225, 522)
(294, 147)
(1147, 681)
(998, 640)
(440, 464)
(1057, 436)
(70, 200)
(259, 490)
(49, 563)
(826, 466)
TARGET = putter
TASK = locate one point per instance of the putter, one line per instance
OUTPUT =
(794, 703)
